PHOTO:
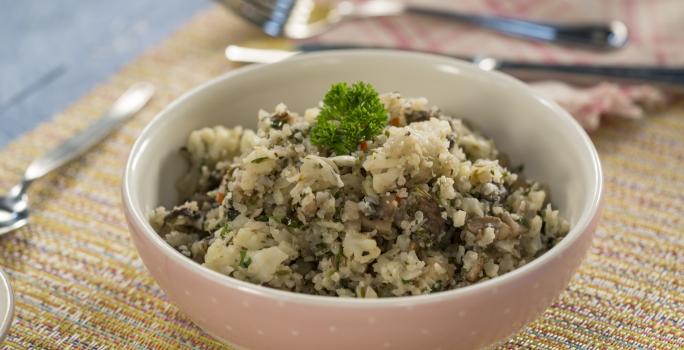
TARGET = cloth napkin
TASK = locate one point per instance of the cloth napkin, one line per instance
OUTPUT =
(590, 104)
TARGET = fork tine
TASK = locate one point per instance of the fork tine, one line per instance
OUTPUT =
(247, 10)
(276, 9)
(270, 15)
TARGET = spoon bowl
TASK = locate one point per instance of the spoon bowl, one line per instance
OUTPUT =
(14, 207)
(14, 210)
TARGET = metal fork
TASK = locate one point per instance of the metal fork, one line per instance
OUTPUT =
(300, 19)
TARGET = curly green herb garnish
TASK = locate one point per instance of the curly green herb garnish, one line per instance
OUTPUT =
(349, 116)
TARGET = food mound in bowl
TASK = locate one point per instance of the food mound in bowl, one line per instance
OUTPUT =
(365, 196)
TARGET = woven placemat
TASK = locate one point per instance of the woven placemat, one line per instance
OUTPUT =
(79, 283)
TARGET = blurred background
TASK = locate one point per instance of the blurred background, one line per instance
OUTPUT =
(77, 280)
(53, 52)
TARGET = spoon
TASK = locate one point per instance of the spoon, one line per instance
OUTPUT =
(14, 209)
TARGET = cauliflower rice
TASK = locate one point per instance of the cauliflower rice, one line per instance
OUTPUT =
(426, 206)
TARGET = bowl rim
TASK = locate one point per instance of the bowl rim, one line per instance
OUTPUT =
(141, 223)
(6, 315)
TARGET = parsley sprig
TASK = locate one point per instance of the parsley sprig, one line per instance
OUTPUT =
(349, 116)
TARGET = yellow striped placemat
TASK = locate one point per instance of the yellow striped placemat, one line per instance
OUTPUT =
(79, 283)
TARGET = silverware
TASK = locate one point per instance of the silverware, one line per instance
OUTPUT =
(300, 19)
(671, 78)
(14, 210)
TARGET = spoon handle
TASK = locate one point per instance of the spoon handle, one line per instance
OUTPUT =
(126, 106)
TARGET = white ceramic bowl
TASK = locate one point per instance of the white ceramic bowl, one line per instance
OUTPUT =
(530, 129)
